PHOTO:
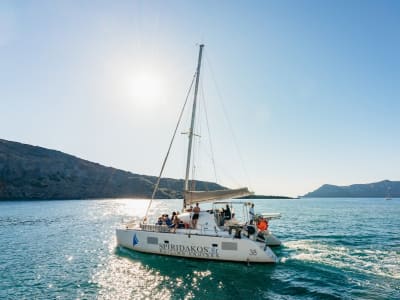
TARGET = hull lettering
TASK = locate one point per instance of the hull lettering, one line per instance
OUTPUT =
(193, 251)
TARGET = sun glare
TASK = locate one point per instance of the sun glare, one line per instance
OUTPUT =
(147, 90)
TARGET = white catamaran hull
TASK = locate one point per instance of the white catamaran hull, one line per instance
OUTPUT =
(199, 246)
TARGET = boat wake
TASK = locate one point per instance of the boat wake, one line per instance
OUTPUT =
(367, 261)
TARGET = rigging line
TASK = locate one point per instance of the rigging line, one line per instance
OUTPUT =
(209, 135)
(169, 148)
(227, 119)
(227, 174)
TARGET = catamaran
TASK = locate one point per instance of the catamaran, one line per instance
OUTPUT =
(226, 232)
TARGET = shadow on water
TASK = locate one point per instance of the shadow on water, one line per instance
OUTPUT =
(199, 278)
(188, 278)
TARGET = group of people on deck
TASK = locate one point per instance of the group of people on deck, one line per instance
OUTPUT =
(174, 222)
(226, 217)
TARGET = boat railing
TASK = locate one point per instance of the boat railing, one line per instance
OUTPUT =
(155, 228)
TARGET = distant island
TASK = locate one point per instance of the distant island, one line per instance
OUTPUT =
(32, 172)
(381, 189)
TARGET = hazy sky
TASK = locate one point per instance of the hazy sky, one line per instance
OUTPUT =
(311, 88)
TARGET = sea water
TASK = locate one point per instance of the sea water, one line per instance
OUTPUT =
(332, 249)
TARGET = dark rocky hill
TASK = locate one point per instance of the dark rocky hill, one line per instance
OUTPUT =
(31, 172)
(380, 189)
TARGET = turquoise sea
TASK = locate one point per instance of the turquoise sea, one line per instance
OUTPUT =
(333, 249)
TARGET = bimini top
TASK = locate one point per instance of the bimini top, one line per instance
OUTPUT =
(192, 197)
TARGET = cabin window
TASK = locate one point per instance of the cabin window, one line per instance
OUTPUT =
(228, 246)
(152, 240)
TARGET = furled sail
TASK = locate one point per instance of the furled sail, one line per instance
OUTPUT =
(192, 197)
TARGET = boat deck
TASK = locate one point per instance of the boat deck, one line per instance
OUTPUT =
(220, 231)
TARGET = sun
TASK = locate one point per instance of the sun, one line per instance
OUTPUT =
(146, 89)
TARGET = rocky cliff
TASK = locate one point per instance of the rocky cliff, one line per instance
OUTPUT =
(31, 172)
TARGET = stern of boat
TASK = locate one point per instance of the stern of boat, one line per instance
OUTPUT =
(269, 253)
(271, 240)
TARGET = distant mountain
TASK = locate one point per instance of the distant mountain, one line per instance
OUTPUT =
(31, 172)
(369, 190)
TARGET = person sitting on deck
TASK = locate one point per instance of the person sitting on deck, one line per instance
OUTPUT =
(262, 224)
(181, 225)
(168, 221)
(195, 217)
(174, 215)
(160, 221)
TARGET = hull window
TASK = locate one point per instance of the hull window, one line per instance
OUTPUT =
(152, 240)
(229, 246)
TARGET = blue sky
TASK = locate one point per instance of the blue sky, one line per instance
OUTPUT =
(311, 88)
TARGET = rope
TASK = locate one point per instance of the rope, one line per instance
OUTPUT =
(228, 121)
(210, 140)
(169, 149)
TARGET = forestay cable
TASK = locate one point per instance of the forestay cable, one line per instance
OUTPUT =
(169, 149)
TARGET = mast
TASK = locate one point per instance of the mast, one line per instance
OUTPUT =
(189, 153)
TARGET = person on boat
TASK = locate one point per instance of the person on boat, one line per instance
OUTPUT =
(173, 216)
(262, 224)
(227, 213)
(174, 220)
(232, 221)
(221, 216)
(251, 214)
(160, 221)
(175, 223)
(168, 221)
(182, 225)
(195, 217)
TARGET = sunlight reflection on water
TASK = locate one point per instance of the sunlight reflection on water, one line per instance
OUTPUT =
(121, 277)
(68, 251)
